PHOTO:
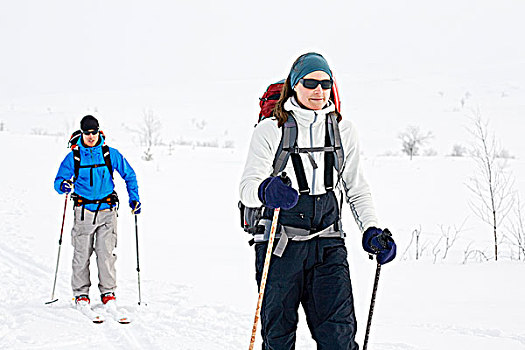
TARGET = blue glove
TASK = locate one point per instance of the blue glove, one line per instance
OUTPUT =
(66, 186)
(277, 192)
(377, 241)
(135, 207)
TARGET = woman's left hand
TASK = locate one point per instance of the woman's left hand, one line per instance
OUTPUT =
(381, 243)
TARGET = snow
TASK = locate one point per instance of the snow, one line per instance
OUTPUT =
(197, 270)
(396, 62)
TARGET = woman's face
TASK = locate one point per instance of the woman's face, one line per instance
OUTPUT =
(315, 98)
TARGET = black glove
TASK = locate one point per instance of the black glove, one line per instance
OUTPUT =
(377, 241)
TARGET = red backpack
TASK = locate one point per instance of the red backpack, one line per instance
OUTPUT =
(273, 93)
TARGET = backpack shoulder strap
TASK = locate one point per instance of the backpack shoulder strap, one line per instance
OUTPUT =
(335, 137)
(288, 140)
(76, 161)
(107, 159)
(335, 158)
(286, 149)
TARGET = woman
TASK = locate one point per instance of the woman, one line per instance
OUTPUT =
(311, 265)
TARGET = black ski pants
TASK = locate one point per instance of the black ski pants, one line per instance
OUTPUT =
(313, 273)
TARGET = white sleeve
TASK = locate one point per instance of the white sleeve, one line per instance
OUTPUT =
(259, 164)
(354, 184)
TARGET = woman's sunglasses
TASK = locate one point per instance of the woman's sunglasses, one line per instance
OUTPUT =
(90, 132)
(312, 83)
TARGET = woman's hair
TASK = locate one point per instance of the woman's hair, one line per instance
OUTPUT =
(278, 111)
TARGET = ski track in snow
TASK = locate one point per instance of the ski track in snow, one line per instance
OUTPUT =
(165, 323)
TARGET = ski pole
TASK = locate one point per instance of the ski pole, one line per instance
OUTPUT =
(265, 274)
(59, 248)
(138, 265)
(372, 303)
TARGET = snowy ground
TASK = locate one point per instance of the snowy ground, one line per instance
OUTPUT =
(197, 269)
(200, 67)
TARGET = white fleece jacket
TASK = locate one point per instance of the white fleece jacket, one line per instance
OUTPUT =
(310, 133)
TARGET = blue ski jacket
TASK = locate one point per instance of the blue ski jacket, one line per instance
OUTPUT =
(102, 180)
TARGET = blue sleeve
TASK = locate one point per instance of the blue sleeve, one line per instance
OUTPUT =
(65, 172)
(121, 165)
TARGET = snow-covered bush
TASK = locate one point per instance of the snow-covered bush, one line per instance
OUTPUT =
(458, 150)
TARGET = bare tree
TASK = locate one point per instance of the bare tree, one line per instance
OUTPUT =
(416, 240)
(149, 133)
(417, 234)
(477, 254)
(436, 249)
(199, 124)
(517, 229)
(491, 184)
(171, 147)
(450, 234)
(412, 139)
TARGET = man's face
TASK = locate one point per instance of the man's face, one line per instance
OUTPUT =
(90, 137)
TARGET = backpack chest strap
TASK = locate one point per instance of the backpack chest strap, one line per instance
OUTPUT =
(311, 149)
(333, 153)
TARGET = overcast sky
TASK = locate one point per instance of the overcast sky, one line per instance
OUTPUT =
(67, 46)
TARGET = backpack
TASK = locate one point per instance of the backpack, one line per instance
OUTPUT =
(333, 151)
(73, 140)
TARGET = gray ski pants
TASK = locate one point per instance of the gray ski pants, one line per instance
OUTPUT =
(100, 237)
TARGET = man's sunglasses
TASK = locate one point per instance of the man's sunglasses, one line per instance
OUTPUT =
(312, 83)
(90, 132)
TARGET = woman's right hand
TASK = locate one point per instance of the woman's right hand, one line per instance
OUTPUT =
(277, 192)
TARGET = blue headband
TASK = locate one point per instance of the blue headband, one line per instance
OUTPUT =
(307, 64)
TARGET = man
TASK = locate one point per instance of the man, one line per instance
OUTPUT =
(87, 171)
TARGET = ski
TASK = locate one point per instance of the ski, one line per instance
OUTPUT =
(111, 309)
(92, 315)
